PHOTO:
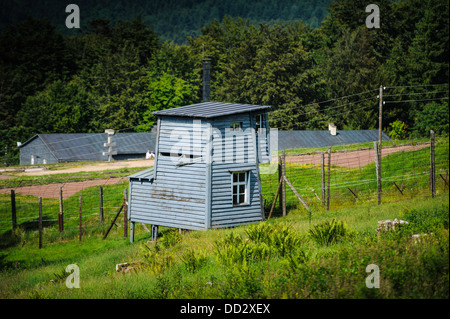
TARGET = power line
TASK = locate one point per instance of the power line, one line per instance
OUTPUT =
(403, 94)
(412, 86)
(423, 100)
(338, 114)
(322, 102)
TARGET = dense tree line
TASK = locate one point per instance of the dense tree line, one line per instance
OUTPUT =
(114, 75)
(172, 20)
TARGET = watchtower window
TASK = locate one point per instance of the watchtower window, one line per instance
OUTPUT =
(240, 188)
(236, 126)
(259, 122)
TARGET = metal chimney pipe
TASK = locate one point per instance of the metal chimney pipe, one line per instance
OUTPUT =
(206, 79)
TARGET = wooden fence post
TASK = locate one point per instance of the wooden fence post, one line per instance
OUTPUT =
(61, 214)
(283, 185)
(378, 169)
(328, 178)
(280, 178)
(275, 200)
(322, 176)
(297, 194)
(13, 209)
(445, 179)
(40, 222)
(355, 197)
(399, 189)
(432, 166)
(125, 211)
(80, 219)
(100, 196)
(113, 222)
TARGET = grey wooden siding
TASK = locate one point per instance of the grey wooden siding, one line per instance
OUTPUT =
(189, 192)
(39, 150)
(264, 142)
(229, 146)
(176, 198)
(241, 156)
(182, 134)
(223, 213)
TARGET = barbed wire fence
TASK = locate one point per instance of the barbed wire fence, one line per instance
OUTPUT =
(351, 179)
(315, 179)
(65, 210)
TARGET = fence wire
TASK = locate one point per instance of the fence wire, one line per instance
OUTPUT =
(27, 204)
(405, 173)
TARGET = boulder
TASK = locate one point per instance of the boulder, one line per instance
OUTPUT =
(387, 225)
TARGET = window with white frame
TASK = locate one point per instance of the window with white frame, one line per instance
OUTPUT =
(240, 188)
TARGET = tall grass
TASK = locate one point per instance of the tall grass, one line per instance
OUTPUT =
(329, 232)
(273, 259)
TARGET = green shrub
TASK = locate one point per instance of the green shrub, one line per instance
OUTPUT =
(296, 259)
(234, 250)
(193, 260)
(329, 232)
(264, 241)
(426, 221)
(399, 130)
(285, 240)
(260, 232)
(154, 259)
(169, 238)
(279, 237)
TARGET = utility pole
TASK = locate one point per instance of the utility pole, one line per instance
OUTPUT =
(380, 119)
(380, 128)
(432, 166)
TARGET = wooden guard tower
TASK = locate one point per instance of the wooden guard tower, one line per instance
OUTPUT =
(206, 172)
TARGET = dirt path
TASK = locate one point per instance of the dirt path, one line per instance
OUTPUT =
(351, 159)
(69, 189)
(93, 167)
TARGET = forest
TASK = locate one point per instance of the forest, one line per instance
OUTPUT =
(172, 20)
(116, 70)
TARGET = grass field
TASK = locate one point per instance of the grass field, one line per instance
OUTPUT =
(319, 255)
(247, 262)
(408, 170)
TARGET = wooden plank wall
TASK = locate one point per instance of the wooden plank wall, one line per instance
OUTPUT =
(264, 142)
(177, 197)
(224, 214)
(241, 156)
(39, 150)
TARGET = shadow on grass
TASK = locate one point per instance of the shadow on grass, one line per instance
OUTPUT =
(12, 238)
